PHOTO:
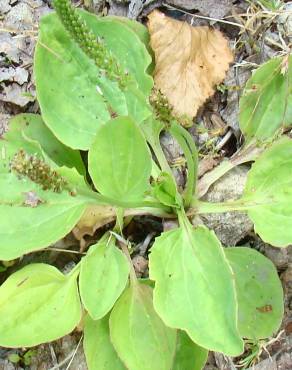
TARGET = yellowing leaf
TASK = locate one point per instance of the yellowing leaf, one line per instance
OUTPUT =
(190, 61)
(194, 288)
(38, 304)
(140, 338)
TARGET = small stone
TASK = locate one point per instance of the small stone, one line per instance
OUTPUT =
(140, 265)
(4, 6)
(230, 227)
(211, 8)
(287, 278)
(6, 74)
(18, 74)
(279, 256)
(68, 344)
(6, 365)
(20, 17)
(9, 48)
(16, 94)
(285, 19)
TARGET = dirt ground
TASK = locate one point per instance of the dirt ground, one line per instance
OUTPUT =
(255, 36)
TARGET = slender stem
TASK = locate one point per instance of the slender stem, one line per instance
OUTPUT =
(188, 192)
(248, 154)
(107, 214)
(158, 212)
(236, 205)
(155, 172)
(152, 129)
(182, 217)
(193, 149)
(158, 152)
(119, 220)
(124, 246)
(62, 250)
(210, 177)
(103, 200)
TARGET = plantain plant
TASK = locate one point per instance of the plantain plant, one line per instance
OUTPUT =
(95, 91)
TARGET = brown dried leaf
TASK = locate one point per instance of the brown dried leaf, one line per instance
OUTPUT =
(190, 61)
(98, 216)
(93, 218)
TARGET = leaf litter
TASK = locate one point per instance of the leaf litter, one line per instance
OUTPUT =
(190, 61)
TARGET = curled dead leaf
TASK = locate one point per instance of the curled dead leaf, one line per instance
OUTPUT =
(98, 216)
(93, 218)
(190, 61)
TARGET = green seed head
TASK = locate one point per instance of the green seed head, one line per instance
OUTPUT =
(164, 110)
(94, 47)
(37, 171)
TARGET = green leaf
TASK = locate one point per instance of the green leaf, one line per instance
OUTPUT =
(34, 129)
(119, 34)
(165, 191)
(99, 351)
(194, 288)
(26, 227)
(38, 304)
(103, 276)
(36, 211)
(188, 355)
(87, 98)
(268, 194)
(14, 358)
(259, 293)
(119, 160)
(143, 34)
(28, 356)
(271, 4)
(27, 129)
(140, 338)
(265, 106)
(152, 129)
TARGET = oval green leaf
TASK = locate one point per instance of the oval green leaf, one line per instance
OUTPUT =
(119, 160)
(194, 287)
(268, 194)
(33, 218)
(103, 276)
(188, 354)
(87, 98)
(119, 34)
(139, 336)
(99, 351)
(164, 189)
(31, 127)
(38, 304)
(142, 32)
(265, 105)
(259, 293)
